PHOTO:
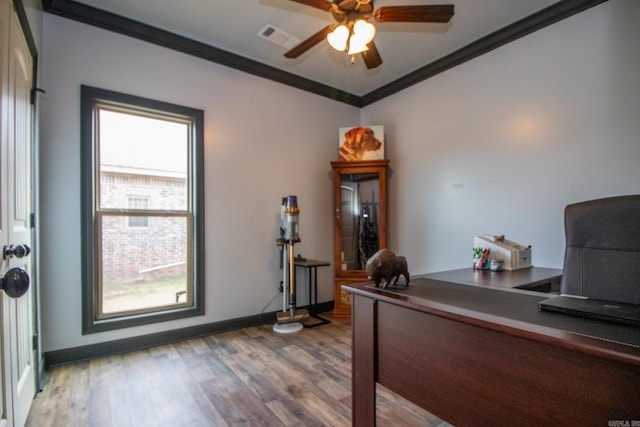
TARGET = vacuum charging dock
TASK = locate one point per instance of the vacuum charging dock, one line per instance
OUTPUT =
(288, 321)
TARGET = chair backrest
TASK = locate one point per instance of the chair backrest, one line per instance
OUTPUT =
(602, 254)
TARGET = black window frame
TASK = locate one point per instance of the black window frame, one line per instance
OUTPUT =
(90, 97)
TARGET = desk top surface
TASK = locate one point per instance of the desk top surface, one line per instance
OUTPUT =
(507, 310)
(523, 278)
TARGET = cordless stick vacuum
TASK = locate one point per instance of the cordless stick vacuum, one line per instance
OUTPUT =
(288, 321)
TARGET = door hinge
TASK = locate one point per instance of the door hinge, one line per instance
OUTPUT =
(32, 219)
(35, 342)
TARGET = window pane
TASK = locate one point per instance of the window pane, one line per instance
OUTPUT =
(138, 203)
(145, 267)
(142, 155)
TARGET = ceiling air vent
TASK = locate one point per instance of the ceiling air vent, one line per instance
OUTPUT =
(279, 37)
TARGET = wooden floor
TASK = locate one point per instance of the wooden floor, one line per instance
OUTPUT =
(250, 377)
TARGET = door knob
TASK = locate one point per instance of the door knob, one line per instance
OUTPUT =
(15, 283)
(17, 251)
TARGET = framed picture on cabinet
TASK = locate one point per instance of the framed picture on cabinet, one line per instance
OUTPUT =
(361, 143)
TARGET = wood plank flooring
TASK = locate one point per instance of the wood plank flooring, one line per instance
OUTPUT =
(250, 377)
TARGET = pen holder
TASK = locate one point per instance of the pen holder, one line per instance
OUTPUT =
(480, 258)
(476, 257)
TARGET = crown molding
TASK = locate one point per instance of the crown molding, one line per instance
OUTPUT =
(119, 24)
(521, 28)
(92, 16)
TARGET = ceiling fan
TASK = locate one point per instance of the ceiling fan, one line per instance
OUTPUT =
(354, 34)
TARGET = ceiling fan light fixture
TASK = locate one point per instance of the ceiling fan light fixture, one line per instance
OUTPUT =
(338, 38)
(364, 31)
(357, 45)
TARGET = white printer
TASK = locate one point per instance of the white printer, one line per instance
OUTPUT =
(514, 256)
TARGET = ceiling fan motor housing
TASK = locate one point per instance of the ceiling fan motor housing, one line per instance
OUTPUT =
(350, 10)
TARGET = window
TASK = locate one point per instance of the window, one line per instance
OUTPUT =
(142, 198)
(138, 203)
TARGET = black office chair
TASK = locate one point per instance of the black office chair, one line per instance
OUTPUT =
(602, 254)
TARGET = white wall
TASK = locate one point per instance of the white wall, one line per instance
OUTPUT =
(502, 143)
(263, 140)
(497, 145)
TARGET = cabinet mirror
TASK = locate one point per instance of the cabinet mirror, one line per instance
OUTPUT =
(360, 206)
(360, 217)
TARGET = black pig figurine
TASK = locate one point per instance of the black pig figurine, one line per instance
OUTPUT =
(384, 264)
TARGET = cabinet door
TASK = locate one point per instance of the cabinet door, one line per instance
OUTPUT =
(360, 223)
(360, 214)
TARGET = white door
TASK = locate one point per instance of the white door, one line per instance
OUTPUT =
(18, 373)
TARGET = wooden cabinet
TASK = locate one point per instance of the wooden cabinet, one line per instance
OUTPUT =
(360, 223)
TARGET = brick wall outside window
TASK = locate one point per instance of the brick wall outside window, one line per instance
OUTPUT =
(129, 251)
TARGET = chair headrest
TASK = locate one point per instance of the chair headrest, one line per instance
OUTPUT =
(609, 223)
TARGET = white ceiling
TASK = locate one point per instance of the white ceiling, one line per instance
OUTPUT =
(233, 25)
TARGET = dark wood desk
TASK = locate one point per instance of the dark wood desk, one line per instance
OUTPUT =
(483, 356)
(535, 278)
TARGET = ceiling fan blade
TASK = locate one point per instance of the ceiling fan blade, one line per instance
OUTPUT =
(432, 13)
(371, 57)
(318, 4)
(309, 43)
